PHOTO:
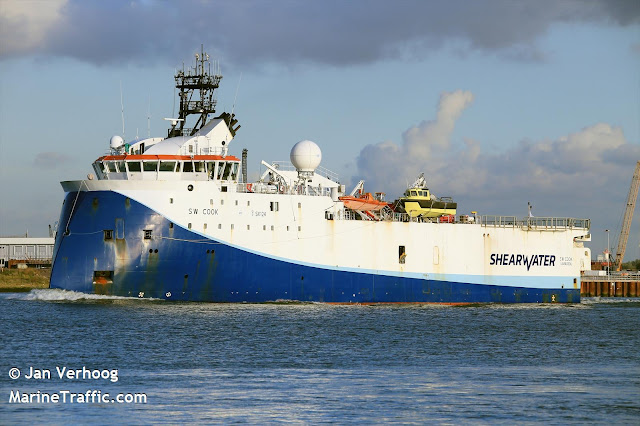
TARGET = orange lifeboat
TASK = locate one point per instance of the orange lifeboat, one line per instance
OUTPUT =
(363, 202)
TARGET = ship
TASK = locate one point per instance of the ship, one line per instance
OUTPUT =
(418, 201)
(175, 218)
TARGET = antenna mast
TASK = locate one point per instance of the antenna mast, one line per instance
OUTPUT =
(122, 109)
(189, 81)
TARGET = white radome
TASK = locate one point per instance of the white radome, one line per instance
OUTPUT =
(116, 142)
(305, 156)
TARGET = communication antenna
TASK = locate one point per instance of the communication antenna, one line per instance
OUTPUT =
(233, 107)
(122, 109)
(149, 117)
(173, 111)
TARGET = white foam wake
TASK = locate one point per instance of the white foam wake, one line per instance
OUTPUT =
(55, 295)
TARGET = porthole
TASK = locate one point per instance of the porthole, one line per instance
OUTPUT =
(190, 187)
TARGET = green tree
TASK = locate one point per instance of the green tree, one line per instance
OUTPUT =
(634, 265)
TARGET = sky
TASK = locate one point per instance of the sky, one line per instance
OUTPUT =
(500, 103)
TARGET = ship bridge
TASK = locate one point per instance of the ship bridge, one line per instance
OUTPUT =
(167, 167)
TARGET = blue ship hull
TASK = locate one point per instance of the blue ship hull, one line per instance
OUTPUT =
(178, 264)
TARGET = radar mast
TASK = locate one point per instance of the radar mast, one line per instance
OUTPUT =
(196, 86)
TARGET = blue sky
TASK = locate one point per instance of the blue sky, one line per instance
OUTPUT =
(500, 103)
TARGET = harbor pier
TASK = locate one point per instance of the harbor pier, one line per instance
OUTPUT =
(614, 284)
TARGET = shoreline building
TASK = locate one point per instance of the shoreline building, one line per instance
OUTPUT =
(26, 251)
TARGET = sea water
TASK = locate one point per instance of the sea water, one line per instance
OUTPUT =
(315, 363)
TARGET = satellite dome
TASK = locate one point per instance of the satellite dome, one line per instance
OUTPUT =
(306, 156)
(116, 142)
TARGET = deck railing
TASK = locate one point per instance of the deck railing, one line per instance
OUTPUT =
(531, 223)
(287, 166)
(537, 223)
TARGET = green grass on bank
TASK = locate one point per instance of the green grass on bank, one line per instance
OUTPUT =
(19, 280)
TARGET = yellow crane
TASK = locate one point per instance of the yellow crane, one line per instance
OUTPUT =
(628, 216)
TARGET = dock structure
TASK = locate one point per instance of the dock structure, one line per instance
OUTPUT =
(614, 284)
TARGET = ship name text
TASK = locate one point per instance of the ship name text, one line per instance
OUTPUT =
(209, 212)
(507, 259)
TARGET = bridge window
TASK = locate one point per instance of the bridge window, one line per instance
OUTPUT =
(227, 171)
(211, 169)
(188, 167)
(112, 166)
(134, 166)
(199, 166)
(167, 166)
(234, 171)
(150, 166)
(121, 167)
(220, 169)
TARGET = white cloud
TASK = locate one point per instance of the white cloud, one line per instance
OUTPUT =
(565, 176)
(50, 160)
(24, 24)
(389, 165)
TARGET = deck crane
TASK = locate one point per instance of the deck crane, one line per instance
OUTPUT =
(628, 216)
